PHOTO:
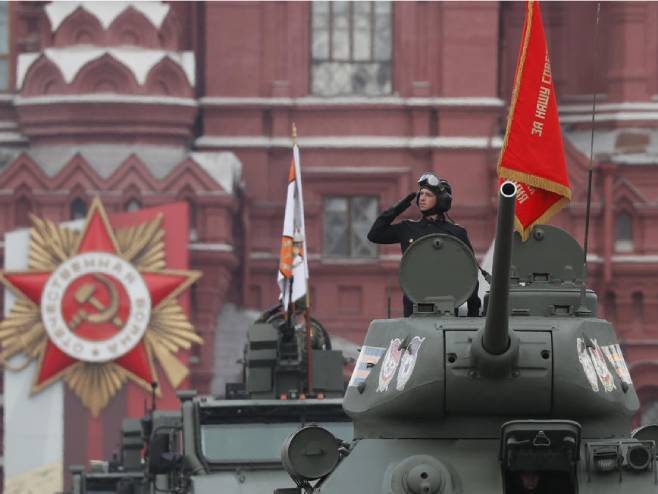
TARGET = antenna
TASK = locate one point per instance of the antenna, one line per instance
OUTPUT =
(147, 420)
(388, 298)
(582, 309)
(154, 387)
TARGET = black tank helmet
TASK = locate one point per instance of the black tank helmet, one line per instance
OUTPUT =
(440, 188)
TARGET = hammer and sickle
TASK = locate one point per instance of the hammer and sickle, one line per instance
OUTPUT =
(85, 294)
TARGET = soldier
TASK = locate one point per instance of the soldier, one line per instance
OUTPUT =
(434, 198)
(529, 481)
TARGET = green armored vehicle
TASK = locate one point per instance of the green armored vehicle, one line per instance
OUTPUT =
(533, 398)
(232, 446)
(275, 364)
(127, 473)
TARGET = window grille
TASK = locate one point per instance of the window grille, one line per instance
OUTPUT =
(347, 221)
(78, 209)
(624, 233)
(133, 205)
(351, 48)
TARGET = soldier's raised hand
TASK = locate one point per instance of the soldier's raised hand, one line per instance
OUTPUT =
(404, 203)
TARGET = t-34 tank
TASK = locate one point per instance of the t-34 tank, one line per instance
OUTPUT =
(533, 398)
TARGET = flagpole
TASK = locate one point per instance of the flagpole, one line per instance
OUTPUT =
(583, 288)
(307, 312)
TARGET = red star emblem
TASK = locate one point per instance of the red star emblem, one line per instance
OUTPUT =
(95, 306)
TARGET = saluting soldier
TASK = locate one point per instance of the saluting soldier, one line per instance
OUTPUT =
(434, 199)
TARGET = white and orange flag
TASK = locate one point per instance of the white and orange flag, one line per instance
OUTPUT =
(293, 264)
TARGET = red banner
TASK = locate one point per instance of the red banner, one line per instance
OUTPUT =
(533, 153)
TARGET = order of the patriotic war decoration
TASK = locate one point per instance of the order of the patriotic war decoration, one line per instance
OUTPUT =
(97, 308)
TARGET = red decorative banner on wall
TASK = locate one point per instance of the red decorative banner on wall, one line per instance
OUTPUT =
(98, 307)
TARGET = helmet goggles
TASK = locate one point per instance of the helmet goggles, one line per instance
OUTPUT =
(428, 179)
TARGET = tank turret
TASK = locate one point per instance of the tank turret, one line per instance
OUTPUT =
(533, 397)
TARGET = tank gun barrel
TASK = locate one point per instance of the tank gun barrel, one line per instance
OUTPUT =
(495, 339)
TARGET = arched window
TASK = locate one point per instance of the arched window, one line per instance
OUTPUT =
(192, 214)
(78, 209)
(22, 212)
(133, 205)
(624, 233)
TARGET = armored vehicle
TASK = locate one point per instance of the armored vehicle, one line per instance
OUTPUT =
(126, 473)
(533, 398)
(275, 361)
(232, 446)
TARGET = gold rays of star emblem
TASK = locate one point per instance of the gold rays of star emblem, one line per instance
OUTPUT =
(168, 331)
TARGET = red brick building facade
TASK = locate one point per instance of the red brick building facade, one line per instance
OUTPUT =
(156, 102)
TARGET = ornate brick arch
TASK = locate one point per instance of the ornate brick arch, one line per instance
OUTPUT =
(42, 78)
(188, 174)
(171, 33)
(166, 78)
(77, 173)
(24, 171)
(131, 27)
(81, 27)
(187, 193)
(105, 75)
(132, 171)
(131, 193)
(625, 191)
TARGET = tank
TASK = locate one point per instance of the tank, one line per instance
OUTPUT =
(533, 397)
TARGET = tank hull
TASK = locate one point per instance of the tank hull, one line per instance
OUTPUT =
(472, 466)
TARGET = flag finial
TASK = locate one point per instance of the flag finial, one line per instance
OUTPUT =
(294, 134)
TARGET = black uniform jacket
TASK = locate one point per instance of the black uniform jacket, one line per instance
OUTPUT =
(406, 232)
